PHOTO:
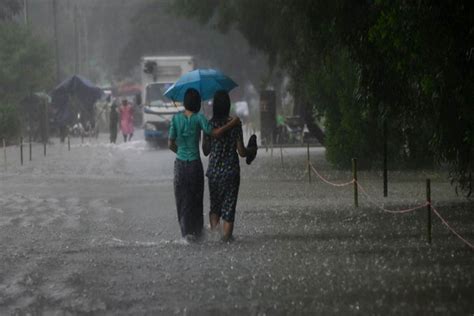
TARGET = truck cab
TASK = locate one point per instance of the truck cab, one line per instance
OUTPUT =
(158, 74)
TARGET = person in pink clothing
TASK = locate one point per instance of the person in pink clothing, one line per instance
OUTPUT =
(126, 120)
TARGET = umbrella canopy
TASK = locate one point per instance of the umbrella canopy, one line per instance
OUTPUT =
(80, 88)
(206, 81)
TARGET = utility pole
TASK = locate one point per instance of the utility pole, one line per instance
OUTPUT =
(56, 41)
(76, 42)
(25, 11)
(85, 41)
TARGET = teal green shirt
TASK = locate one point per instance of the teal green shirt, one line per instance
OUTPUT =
(186, 130)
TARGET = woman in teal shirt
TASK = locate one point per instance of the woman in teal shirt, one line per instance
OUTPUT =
(184, 135)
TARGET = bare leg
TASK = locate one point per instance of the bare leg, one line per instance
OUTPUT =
(228, 229)
(214, 221)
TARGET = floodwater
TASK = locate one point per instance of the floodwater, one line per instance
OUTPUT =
(94, 230)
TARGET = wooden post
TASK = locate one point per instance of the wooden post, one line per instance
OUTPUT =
(44, 149)
(354, 176)
(281, 150)
(428, 209)
(281, 155)
(4, 153)
(385, 153)
(68, 143)
(266, 145)
(309, 164)
(30, 148)
(271, 149)
(21, 150)
(45, 122)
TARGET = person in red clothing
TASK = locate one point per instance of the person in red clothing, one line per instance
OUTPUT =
(126, 120)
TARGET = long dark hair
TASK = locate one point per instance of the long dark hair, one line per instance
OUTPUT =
(192, 100)
(220, 105)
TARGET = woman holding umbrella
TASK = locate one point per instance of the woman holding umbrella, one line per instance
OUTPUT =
(184, 134)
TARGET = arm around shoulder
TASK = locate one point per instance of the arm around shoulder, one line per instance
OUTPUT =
(217, 132)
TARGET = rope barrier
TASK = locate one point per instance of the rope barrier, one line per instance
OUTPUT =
(329, 182)
(450, 228)
(417, 208)
(371, 200)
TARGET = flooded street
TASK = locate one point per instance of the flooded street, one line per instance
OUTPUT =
(94, 230)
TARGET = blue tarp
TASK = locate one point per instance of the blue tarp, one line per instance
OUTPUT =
(80, 88)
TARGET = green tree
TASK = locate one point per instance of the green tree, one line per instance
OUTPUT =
(416, 67)
(363, 64)
(25, 68)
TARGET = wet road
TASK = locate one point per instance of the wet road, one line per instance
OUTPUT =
(94, 230)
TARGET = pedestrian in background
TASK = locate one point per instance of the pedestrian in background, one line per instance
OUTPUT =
(126, 120)
(184, 135)
(113, 122)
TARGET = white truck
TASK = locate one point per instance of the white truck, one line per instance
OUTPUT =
(158, 74)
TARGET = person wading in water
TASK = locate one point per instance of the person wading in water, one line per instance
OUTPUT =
(184, 134)
(113, 122)
(224, 169)
(126, 120)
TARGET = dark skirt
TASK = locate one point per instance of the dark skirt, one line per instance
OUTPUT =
(188, 192)
(224, 191)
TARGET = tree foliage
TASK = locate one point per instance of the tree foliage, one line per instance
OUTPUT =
(416, 64)
(363, 64)
(25, 68)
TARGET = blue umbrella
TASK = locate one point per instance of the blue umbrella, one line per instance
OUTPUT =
(206, 81)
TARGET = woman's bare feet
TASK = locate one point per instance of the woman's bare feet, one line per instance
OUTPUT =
(228, 229)
(213, 221)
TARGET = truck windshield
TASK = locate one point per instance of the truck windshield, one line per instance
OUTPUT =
(155, 94)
